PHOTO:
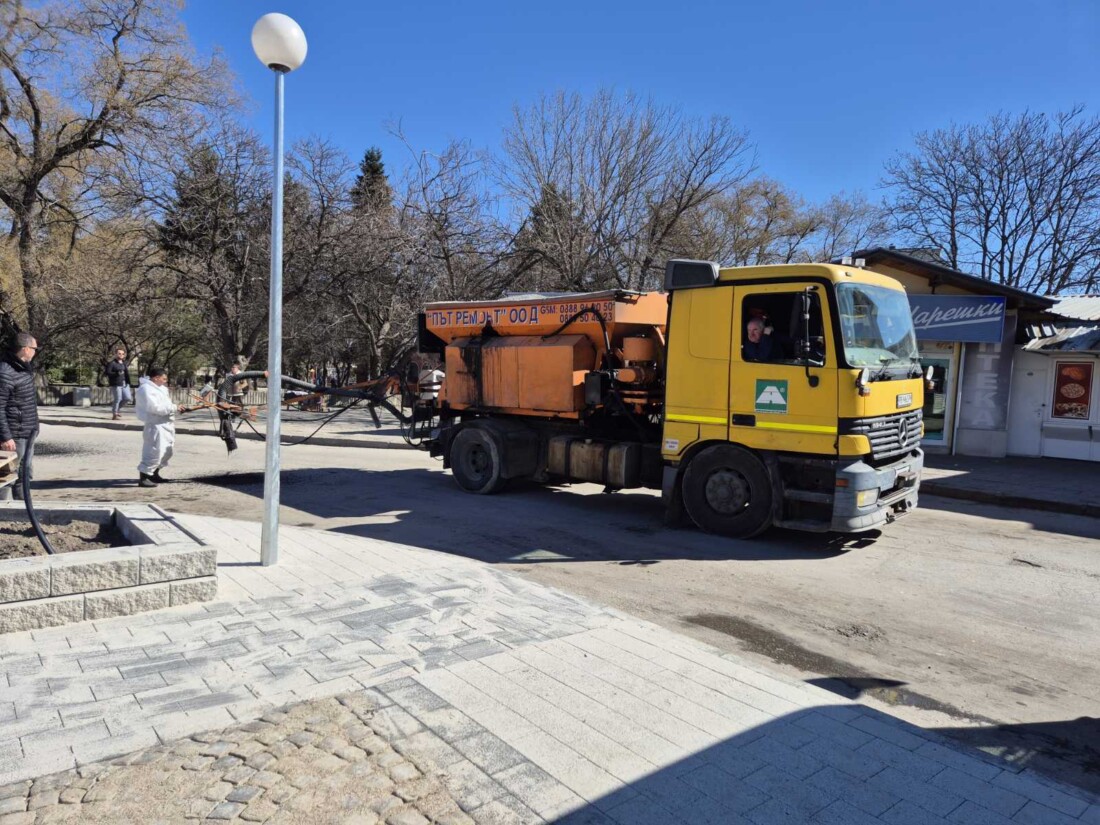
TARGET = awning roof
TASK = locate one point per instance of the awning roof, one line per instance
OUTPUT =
(1063, 337)
(1078, 307)
(939, 274)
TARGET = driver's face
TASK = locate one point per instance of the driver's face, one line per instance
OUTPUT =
(755, 331)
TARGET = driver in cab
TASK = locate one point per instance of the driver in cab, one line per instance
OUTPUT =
(759, 344)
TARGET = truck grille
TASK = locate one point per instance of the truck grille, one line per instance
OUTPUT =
(890, 435)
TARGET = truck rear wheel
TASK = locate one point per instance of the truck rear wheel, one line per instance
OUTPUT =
(727, 491)
(477, 461)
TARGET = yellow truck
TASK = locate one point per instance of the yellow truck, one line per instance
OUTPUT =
(751, 397)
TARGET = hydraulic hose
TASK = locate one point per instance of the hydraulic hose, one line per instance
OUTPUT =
(25, 481)
(603, 326)
(320, 389)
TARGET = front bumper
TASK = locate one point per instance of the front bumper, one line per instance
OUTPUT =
(897, 485)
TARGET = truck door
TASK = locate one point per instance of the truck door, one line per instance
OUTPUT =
(783, 369)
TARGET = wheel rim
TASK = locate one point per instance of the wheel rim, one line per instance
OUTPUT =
(478, 462)
(727, 492)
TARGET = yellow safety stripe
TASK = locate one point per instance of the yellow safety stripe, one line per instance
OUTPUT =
(695, 419)
(797, 428)
(764, 425)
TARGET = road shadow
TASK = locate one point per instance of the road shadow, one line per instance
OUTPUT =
(1047, 522)
(1067, 750)
(83, 484)
(829, 764)
(526, 524)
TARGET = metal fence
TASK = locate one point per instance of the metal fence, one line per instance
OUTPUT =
(62, 395)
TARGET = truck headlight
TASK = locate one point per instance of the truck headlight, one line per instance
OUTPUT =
(865, 498)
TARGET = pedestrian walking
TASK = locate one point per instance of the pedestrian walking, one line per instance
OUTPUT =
(18, 408)
(230, 392)
(157, 412)
(118, 378)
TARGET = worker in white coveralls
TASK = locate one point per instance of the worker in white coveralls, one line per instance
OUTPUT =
(155, 409)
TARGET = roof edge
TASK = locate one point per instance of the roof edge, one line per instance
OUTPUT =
(954, 277)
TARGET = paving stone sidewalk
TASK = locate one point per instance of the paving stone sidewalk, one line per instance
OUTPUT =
(525, 704)
(320, 761)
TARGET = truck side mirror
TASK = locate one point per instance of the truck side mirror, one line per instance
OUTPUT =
(804, 336)
(863, 381)
(805, 348)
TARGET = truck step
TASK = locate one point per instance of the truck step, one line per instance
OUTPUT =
(803, 524)
(807, 495)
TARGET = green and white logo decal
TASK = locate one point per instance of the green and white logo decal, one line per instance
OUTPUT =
(771, 396)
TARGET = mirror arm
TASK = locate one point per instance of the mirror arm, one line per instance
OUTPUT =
(804, 342)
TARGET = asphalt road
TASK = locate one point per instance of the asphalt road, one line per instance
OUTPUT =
(975, 620)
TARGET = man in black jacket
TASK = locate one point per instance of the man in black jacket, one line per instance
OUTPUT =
(118, 376)
(18, 406)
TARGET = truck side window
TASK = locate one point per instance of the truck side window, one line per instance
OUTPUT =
(773, 329)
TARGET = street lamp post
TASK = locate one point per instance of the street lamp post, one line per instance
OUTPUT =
(280, 44)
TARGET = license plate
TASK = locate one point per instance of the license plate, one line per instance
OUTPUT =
(905, 399)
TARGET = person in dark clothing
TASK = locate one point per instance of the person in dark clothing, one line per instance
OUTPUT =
(759, 344)
(230, 391)
(18, 407)
(118, 377)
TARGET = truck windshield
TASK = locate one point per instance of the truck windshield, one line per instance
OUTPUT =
(877, 326)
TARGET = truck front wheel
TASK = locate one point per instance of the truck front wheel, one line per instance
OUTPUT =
(727, 491)
(477, 462)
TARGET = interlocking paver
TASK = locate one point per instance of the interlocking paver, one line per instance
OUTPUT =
(532, 702)
(842, 812)
(731, 793)
(1034, 813)
(860, 765)
(1041, 792)
(900, 758)
(991, 797)
(973, 814)
(930, 798)
(793, 793)
(869, 799)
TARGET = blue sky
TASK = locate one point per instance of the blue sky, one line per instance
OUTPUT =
(827, 90)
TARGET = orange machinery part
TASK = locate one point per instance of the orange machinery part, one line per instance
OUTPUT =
(518, 370)
(540, 316)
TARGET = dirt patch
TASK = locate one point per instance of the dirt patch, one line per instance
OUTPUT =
(247, 479)
(840, 677)
(17, 538)
(860, 631)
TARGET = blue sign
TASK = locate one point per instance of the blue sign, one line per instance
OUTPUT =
(978, 319)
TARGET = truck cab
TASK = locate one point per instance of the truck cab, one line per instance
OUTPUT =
(793, 397)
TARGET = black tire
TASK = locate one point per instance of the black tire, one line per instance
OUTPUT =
(727, 491)
(477, 461)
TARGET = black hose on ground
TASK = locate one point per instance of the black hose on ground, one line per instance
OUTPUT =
(25, 482)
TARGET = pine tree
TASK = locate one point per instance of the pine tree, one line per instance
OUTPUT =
(372, 187)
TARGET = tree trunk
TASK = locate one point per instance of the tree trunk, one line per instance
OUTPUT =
(32, 277)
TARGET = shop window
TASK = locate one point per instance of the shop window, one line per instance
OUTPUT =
(935, 399)
(1072, 390)
(773, 329)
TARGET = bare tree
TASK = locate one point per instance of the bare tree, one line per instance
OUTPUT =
(607, 183)
(210, 244)
(758, 222)
(845, 223)
(81, 83)
(1014, 199)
